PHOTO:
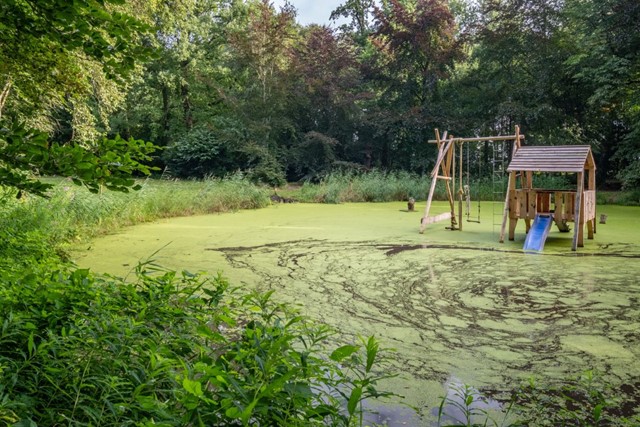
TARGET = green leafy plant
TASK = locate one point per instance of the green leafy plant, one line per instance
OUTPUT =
(165, 348)
(26, 153)
(358, 380)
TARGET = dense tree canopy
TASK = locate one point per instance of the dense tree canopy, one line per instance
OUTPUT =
(228, 85)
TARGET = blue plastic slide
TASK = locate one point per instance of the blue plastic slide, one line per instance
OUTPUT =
(538, 233)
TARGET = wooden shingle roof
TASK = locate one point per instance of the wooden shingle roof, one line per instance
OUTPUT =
(558, 158)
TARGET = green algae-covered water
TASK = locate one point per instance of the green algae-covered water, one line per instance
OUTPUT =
(457, 306)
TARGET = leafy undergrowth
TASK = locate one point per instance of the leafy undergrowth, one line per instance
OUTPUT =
(168, 349)
(583, 401)
(178, 349)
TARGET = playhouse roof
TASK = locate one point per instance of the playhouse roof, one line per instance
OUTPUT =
(558, 158)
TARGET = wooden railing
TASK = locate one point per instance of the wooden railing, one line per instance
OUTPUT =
(527, 203)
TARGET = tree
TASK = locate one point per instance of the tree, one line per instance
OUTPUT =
(259, 44)
(607, 66)
(183, 86)
(359, 11)
(415, 51)
(48, 49)
(324, 101)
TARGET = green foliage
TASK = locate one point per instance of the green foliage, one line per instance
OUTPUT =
(315, 156)
(82, 25)
(466, 406)
(357, 381)
(110, 163)
(165, 348)
(35, 228)
(201, 153)
(262, 166)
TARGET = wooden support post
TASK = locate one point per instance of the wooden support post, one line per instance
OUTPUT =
(460, 190)
(577, 232)
(446, 171)
(442, 149)
(592, 187)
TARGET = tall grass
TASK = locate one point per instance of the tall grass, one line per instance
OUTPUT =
(375, 186)
(167, 349)
(72, 213)
(378, 186)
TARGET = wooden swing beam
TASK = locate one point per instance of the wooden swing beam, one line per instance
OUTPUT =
(445, 170)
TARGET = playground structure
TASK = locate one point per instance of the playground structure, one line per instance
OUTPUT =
(542, 206)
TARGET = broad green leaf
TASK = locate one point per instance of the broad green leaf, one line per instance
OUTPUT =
(193, 387)
(343, 352)
(354, 399)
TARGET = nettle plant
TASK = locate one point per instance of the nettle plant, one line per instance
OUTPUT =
(169, 349)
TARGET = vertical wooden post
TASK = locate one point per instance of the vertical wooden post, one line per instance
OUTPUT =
(592, 187)
(434, 178)
(447, 174)
(577, 232)
(460, 190)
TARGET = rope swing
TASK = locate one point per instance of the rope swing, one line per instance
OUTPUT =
(467, 191)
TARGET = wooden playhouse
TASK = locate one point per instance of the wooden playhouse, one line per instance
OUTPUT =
(545, 206)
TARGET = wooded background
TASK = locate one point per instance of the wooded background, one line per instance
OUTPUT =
(226, 85)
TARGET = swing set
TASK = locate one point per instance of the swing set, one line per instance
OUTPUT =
(449, 168)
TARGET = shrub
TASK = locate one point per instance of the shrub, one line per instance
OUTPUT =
(169, 349)
(203, 152)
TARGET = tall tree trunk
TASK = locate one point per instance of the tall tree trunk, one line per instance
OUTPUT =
(5, 94)
(186, 100)
(186, 106)
(166, 115)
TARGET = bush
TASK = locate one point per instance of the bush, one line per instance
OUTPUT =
(168, 349)
(203, 152)
(314, 157)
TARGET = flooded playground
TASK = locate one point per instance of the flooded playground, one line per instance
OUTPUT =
(457, 306)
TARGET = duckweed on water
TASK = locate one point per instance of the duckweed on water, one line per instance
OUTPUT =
(457, 306)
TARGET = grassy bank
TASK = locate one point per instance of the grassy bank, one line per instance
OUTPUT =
(377, 186)
(71, 213)
(163, 348)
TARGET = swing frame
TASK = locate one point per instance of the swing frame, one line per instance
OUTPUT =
(445, 170)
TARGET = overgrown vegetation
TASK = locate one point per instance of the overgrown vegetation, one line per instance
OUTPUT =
(582, 401)
(172, 348)
(168, 349)
(226, 86)
(378, 186)
(161, 348)
(71, 213)
(239, 86)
